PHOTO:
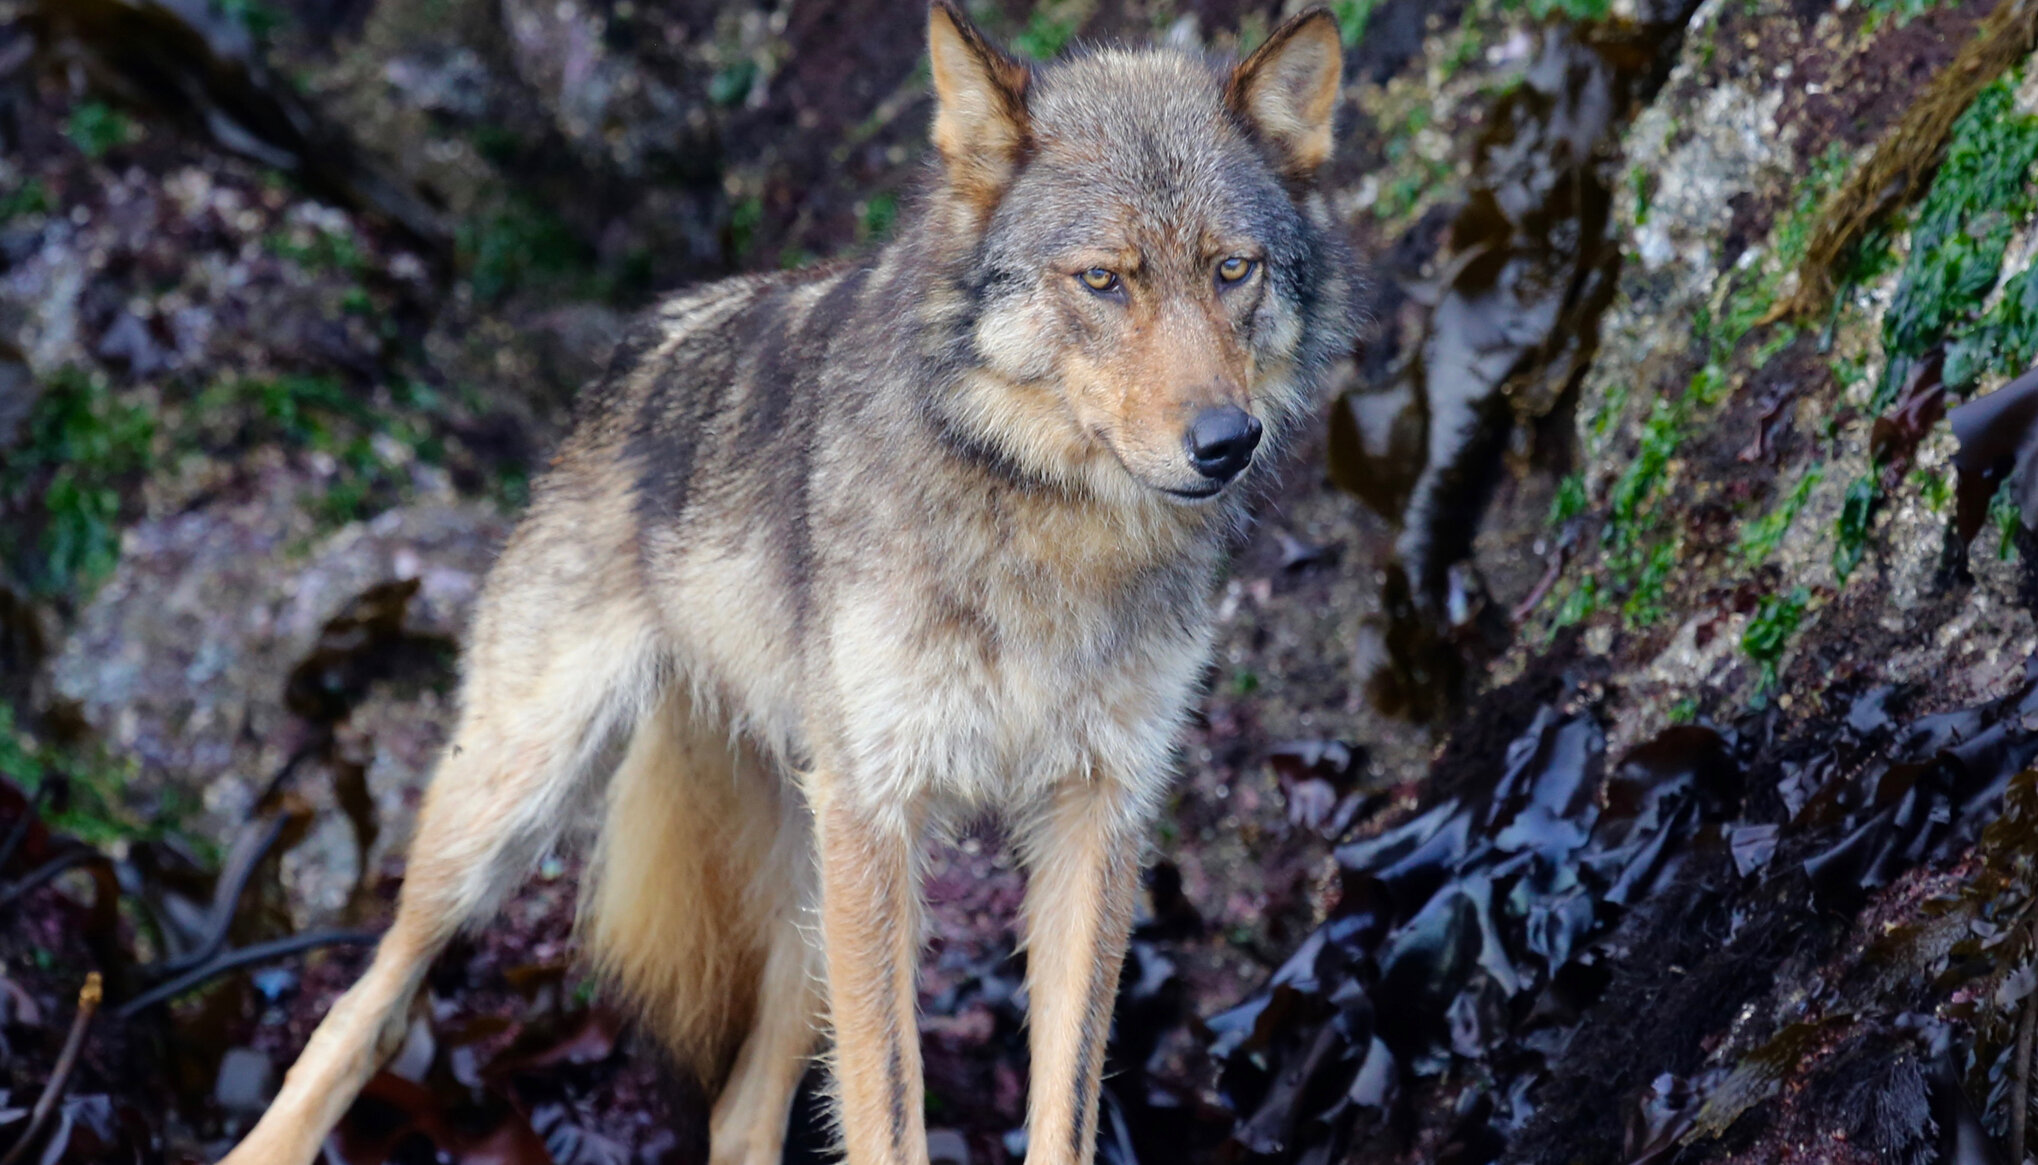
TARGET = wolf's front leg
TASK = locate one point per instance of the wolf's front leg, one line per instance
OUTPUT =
(1083, 878)
(870, 927)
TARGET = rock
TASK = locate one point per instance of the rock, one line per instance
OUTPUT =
(947, 1147)
(181, 658)
(246, 1082)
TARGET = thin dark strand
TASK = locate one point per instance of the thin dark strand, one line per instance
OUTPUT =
(2020, 1093)
(244, 956)
(31, 811)
(232, 884)
(68, 860)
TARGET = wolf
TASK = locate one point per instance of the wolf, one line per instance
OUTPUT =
(837, 559)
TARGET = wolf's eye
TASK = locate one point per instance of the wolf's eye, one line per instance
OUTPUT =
(1098, 279)
(1234, 269)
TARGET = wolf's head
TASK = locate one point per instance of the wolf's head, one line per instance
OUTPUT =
(1153, 283)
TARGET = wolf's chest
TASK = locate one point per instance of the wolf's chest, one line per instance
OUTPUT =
(987, 695)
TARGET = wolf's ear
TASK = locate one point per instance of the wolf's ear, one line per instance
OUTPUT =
(1287, 90)
(980, 125)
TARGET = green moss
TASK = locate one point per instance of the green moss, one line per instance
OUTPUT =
(1047, 32)
(31, 197)
(1661, 435)
(1609, 411)
(879, 213)
(496, 143)
(1777, 341)
(1252, 32)
(81, 449)
(1411, 178)
(1639, 551)
(1979, 195)
(1769, 630)
(1643, 184)
(2004, 341)
(260, 19)
(2006, 516)
(1579, 10)
(1569, 500)
(1409, 191)
(1847, 372)
(1874, 256)
(300, 409)
(1683, 711)
(1580, 603)
(1638, 542)
(731, 83)
(1639, 538)
(1761, 537)
(1352, 16)
(1709, 384)
(744, 219)
(320, 414)
(1753, 292)
(322, 251)
(96, 801)
(96, 127)
(1850, 532)
(1466, 45)
(20, 759)
(519, 244)
(1934, 489)
(1650, 578)
(1904, 11)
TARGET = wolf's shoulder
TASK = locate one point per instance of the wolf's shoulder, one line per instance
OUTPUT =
(691, 336)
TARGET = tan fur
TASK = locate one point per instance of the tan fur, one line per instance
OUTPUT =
(1079, 904)
(748, 1125)
(1289, 87)
(870, 927)
(848, 555)
(686, 890)
(981, 94)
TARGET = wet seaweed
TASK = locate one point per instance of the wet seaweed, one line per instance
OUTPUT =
(1473, 938)
(1998, 436)
(1511, 327)
(1463, 934)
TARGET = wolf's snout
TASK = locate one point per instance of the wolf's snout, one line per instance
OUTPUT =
(1221, 441)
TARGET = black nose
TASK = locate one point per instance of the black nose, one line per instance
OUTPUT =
(1221, 441)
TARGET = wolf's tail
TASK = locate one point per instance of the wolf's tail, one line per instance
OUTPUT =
(702, 859)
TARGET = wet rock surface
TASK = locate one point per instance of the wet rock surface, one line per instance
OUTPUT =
(1619, 743)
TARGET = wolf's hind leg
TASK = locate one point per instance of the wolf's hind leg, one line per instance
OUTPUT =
(694, 912)
(541, 696)
(749, 1122)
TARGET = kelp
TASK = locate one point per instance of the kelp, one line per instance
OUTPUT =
(1510, 327)
(1998, 436)
(1475, 939)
